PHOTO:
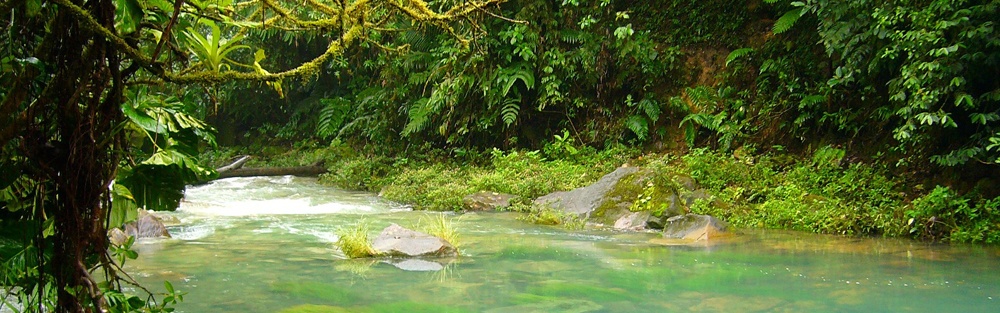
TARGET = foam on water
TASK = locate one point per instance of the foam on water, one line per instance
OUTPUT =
(275, 196)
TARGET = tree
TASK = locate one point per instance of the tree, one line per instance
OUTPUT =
(71, 97)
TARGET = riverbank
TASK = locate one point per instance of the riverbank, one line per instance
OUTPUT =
(822, 193)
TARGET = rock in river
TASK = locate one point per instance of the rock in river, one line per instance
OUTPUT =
(694, 227)
(398, 241)
(145, 226)
(487, 201)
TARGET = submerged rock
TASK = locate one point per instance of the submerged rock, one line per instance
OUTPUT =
(398, 241)
(487, 201)
(694, 227)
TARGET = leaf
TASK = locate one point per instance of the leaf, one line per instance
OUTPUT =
(510, 111)
(638, 125)
(786, 21)
(123, 206)
(738, 53)
(332, 116)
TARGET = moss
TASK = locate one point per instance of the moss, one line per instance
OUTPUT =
(639, 191)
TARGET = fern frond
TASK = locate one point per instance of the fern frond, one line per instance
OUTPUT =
(786, 21)
(738, 53)
(332, 116)
(510, 111)
(638, 125)
(419, 114)
(651, 107)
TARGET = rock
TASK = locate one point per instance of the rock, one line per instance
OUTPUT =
(698, 194)
(146, 226)
(487, 201)
(686, 182)
(117, 236)
(694, 227)
(633, 221)
(398, 241)
(673, 209)
(584, 200)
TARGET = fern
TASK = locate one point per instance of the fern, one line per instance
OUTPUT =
(511, 108)
(419, 115)
(738, 53)
(651, 107)
(638, 125)
(786, 21)
(332, 116)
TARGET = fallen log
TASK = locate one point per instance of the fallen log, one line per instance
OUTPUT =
(309, 170)
(236, 169)
(235, 165)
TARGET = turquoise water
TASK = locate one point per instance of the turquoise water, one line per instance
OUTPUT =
(265, 245)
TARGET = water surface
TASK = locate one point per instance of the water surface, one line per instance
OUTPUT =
(265, 245)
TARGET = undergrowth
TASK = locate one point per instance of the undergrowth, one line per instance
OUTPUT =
(822, 193)
(825, 195)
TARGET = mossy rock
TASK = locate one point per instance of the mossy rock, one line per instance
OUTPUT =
(658, 201)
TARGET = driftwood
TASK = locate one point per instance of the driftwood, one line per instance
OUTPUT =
(236, 169)
(235, 165)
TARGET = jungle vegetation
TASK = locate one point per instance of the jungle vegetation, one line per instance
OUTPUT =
(106, 105)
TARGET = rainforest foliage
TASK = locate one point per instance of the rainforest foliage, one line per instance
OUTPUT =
(103, 110)
(106, 103)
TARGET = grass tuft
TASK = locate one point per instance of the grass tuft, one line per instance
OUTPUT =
(354, 241)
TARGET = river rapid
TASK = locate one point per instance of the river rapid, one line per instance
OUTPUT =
(266, 245)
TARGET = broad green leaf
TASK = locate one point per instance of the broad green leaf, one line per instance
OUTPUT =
(123, 206)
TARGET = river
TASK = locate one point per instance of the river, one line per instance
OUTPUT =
(266, 245)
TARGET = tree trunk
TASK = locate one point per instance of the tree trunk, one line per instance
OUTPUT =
(310, 170)
(236, 169)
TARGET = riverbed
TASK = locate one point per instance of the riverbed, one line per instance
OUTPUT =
(266, 245)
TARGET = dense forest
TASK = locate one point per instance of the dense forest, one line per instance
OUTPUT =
(108, 106)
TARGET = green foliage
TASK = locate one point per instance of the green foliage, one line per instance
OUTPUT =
(212, 50)
(440, 186)
(786, 21)
(331, 118)
(354, 243)
(943, 214)
(917, 69)
(714, 110)
(439, 225)
(819, 196)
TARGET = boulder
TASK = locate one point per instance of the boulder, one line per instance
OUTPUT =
(584, 200)
(699, 194)
(610, 200)
(633, 221)
(487, 201)
(673, 208)
(146, 225)
(694, 227)
(398, 241)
